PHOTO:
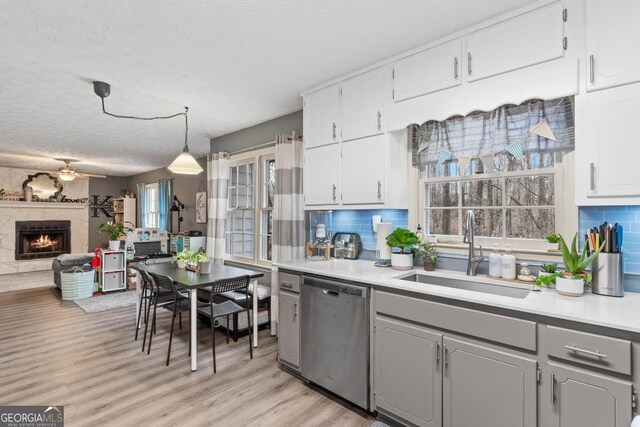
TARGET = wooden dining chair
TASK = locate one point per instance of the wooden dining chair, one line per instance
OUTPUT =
(227, 308)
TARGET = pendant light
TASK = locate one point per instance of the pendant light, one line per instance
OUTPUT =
(185, 163)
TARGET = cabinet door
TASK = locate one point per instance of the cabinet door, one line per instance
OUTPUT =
(363, 171)
(612, 42)
(289, 328)
(525, 40)
(612, 157)
(408, 371)
(585, 399)
(320, 117)
(483, 387)
(426, 72)
(321, 175)
(362, 102)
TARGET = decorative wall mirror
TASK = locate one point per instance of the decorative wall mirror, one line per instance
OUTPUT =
(45, 186)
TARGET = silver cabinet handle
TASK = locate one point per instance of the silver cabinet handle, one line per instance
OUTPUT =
(552, 389)
(446, 357)
(455, 68)
(379, 120)
(592, 77)
(469, 63)
(295, 310)
(379, 190)
(334, 130)
(592, 179)
(334, 192)
(286, 285)
(589, 352)
(437, 353)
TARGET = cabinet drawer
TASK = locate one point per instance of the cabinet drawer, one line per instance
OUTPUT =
(493, 327)
(290, 282)
(603, 352)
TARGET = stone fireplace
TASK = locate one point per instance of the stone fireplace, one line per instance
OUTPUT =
(42, 239)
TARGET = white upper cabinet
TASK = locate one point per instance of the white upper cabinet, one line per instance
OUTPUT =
(613, 34)
(611, 121)
(428, 71)
(321, 174)
(362, 102)
(363, 171)
(525, 40)
(320, 117)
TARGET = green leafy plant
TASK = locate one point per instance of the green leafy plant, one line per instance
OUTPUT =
(549, 268)
(184, 255)
(428, 250)
(405, 240)
(554, 238)
(115, 230)
(546, 280)
(574, 263)
(200, 257)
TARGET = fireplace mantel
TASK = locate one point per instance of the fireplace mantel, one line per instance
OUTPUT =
(40, 205)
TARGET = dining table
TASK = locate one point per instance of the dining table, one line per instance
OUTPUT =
(192, 281)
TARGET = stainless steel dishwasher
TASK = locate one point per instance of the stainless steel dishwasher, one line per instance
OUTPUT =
(335, 337)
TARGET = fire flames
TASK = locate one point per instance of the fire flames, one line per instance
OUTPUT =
(44, 242)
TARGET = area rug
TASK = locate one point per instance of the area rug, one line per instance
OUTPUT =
(99, 303)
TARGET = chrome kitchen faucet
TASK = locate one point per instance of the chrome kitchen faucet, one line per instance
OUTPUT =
(469, 237)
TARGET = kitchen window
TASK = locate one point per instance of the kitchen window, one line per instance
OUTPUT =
(249, 222)
(517, 201)
(151, 217)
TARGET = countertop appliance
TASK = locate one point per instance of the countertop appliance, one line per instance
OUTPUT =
(346, 245)
(335, 337)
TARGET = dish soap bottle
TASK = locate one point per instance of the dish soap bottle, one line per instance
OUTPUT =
(508, 264)
(495, 262)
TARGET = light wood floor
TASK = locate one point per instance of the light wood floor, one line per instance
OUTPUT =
(52, 352)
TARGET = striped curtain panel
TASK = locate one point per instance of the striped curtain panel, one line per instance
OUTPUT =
(217, 182)
(288, 211)
(142, 204)
(165, 201)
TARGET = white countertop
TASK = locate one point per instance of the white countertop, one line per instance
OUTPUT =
(618, 313)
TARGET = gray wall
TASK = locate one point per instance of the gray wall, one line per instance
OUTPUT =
(258, 134)
(185, 188)
(102, 187)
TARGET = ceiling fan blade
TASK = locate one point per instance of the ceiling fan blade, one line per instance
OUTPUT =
(90, 175)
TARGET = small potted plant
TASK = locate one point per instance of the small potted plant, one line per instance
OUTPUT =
(181, 258)
(204, 262)
(571, 281)
(548, 269)
(115, 231)
(429, 254)
(553, 242)
(407, 241)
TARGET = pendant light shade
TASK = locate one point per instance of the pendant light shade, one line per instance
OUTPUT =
(185, 164)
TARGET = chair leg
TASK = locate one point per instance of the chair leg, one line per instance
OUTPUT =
(142, 302)
(153, 325)
(213, 343)
(235, 327)
(227, 329)
(173, 321)
(180, 314)
(269, 314)
(147, 310)
(250, 328)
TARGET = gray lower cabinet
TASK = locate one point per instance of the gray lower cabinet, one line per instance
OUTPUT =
(588, 399)
(483, 387)
(289, 328)
(408, 371)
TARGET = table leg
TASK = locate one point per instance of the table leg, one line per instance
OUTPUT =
(138, 294)
(193, 293)
(255, 313)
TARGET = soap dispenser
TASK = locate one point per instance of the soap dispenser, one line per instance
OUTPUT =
(495, 262)
(508, 264)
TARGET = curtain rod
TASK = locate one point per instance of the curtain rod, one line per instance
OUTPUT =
(243, 150)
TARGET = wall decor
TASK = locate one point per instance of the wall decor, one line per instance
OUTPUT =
(45, 186)
(201, 207)
(102, 207)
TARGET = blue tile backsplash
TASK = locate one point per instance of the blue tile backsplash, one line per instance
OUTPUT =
(629, 218)
(359, 221)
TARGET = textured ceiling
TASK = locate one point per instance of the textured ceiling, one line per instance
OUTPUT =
(234, 63)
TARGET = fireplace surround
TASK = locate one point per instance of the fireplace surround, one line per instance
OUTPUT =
(42, 239)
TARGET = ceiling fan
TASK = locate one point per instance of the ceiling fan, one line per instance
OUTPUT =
(67, 173)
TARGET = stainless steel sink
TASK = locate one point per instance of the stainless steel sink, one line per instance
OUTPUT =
(506, 290)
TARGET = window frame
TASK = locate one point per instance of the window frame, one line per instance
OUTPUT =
(154, 213)
(259, 158)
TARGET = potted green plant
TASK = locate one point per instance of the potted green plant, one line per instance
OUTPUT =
(182, 257)
(115, 231)
(553, 242)
(429, 252)
(571, 281)
(408, 242)
(548, 269)
(204, 262)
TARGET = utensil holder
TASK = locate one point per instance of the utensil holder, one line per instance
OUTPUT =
(607, 272)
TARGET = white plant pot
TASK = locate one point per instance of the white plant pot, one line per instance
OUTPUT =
(401, 261)
(205, 267)
(114, 245)
(569, 287)
(181, 263)
(553, 246)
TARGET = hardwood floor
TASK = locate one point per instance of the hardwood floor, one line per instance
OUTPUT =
(52, 352)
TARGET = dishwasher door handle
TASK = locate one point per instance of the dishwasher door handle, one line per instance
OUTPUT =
(332, 293)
